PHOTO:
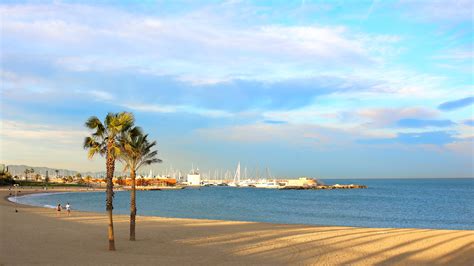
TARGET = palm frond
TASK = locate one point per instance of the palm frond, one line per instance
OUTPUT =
(93, 151)
(137, 149)
(92, 122)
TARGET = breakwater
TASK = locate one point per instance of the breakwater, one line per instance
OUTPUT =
(328, 187)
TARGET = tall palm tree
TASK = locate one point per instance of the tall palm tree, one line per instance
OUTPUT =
(136, 152)
(104, 141)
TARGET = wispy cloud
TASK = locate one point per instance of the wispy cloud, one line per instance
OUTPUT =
(459, 10)
(386, 117)
(421, 123)
(301, 135)
(41, 144)
(469, 122)
(40, 132)
(464, 147)
(431, 137)
(456, 104)
(274, 122)
(152, 108)
(96, 95)
(457, 55)
(158, 108)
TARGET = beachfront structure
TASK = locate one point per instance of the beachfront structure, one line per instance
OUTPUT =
(194, 178)
(145, 181)
(301, 182)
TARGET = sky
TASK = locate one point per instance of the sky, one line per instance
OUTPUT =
(327, 89)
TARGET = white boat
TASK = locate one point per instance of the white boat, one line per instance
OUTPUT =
(268, 184)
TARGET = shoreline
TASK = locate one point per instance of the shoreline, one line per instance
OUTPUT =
(35, 235)
(30, 193)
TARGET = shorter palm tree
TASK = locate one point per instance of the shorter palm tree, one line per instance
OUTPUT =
(137, 152)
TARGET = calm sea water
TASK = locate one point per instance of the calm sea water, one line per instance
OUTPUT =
(406, 203)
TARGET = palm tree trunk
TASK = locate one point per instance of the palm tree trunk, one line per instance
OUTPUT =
(111, 231)
(133, 206)
(110, 194)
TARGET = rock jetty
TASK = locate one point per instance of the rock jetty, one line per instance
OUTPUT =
(329, 187)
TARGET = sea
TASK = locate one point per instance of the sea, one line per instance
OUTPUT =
(386, 203)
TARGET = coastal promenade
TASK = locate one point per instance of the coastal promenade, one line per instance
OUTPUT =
(35, 235)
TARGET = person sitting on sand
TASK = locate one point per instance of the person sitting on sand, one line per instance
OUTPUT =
(68, 209)
(58, 209)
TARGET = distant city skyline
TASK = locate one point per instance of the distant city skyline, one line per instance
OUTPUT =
(328, 89)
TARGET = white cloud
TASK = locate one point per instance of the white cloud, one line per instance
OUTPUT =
(202, 47)
(187, 46)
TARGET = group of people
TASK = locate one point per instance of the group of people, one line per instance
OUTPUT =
(59, 209)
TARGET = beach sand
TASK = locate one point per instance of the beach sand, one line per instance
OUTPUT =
(36, 236)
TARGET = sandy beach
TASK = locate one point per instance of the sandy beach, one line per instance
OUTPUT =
(37, 236)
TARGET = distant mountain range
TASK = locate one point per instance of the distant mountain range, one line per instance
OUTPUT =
(19, 170)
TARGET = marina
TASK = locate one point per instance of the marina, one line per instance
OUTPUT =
(175, 180)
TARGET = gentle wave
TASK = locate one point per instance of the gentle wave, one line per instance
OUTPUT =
(21, 199)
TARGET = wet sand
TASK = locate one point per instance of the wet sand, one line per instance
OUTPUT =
(37, 236)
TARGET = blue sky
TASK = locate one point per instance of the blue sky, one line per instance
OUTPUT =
(319, 88)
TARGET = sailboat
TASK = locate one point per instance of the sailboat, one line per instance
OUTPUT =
(236, 182)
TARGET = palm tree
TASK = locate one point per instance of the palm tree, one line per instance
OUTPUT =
(27, 171)
(104, 141)
(88, 180)
(137, 152)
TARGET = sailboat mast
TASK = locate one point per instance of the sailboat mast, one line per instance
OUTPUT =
(238, 177)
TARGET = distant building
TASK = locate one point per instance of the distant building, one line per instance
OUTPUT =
(194, 178)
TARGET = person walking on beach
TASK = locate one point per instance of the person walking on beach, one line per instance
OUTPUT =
(58, 209)
(68, 209)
